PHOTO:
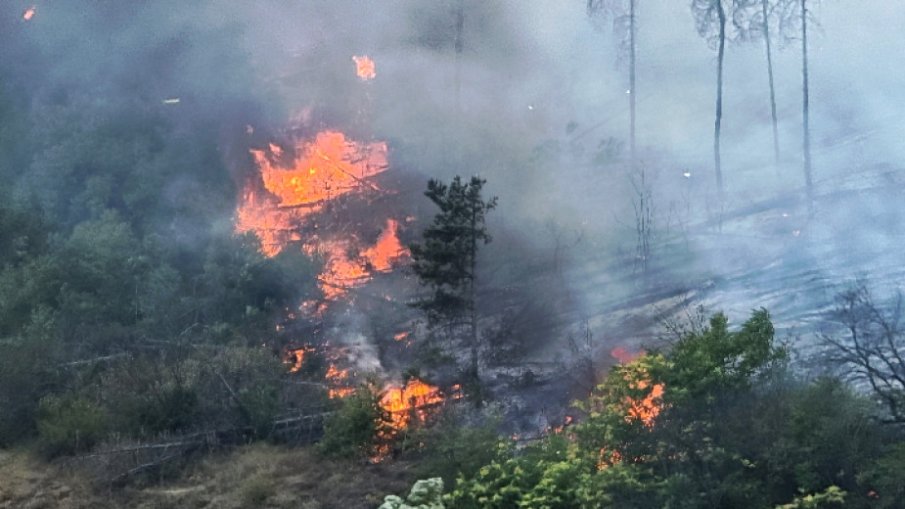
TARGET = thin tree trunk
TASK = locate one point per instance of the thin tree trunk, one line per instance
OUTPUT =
(770, 76)
(719, 100)
(458, 45)
(806, 142)
(631, 79)
(476, 379)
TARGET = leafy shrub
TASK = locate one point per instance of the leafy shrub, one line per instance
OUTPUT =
(425, 494)
(353, 430)
(68, 425)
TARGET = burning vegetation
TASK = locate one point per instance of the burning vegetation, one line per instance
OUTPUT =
(281, 206)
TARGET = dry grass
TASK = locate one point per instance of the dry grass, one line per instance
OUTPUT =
(255, 476)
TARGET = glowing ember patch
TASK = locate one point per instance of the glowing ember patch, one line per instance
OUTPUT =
(364, 67)
(29, 13)
(400, 336)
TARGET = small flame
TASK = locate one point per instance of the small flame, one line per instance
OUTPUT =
(364, 67)
(400, 336)
(29, 13)
(624, 356)
(296, 358)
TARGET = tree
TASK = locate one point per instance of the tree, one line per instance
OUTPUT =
(447, 259)
(623, 13)
(806, 127)
(710, 18)
(871, 351)
(754, 22)
(794, 17)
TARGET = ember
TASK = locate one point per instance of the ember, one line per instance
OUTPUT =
(364, 67)
(29, 13)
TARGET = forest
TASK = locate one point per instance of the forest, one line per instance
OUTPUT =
(402, 254)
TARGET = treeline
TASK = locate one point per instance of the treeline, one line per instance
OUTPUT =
(127, 304)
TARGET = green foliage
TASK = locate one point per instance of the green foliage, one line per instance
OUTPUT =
(886, 478)
(446, 259)
(28, 372)
(714, 360)
(352, 431)
(425, 494)
(731, 429)
(452, 448)
(68, 425)
(828, 498)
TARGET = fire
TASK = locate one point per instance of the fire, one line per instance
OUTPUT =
(300, 182)
(624, 356)
(338, 380)
(364, 67)
(29, 13)
(409, 401)
(343, 272)
(400, 336)
(296, 358)
(648, 408)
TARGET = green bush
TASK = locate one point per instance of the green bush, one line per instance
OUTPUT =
(352, 431)
(68, 425)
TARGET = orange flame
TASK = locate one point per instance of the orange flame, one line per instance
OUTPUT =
(399, 336)
(364, 67)
(409, 401)
(318, 171)
(648, 408)
(296, 358)
(299, 182)
(624, 356)
(29, 13)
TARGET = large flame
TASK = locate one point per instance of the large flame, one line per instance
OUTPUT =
(301, 182)
(364, 67)
(410, 401)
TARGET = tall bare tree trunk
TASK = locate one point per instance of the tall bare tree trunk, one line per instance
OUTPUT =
(719, 100)
(806, 142)
(458, 45)
(473, 311)
(770, 76)
(631, 79)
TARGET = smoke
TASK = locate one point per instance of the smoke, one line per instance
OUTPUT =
(536, 103)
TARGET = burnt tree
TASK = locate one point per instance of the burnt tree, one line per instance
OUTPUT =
(624, 27)
(711, 17)
(446, 260)
(871, 350)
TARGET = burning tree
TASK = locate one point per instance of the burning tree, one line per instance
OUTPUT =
(446, 261)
